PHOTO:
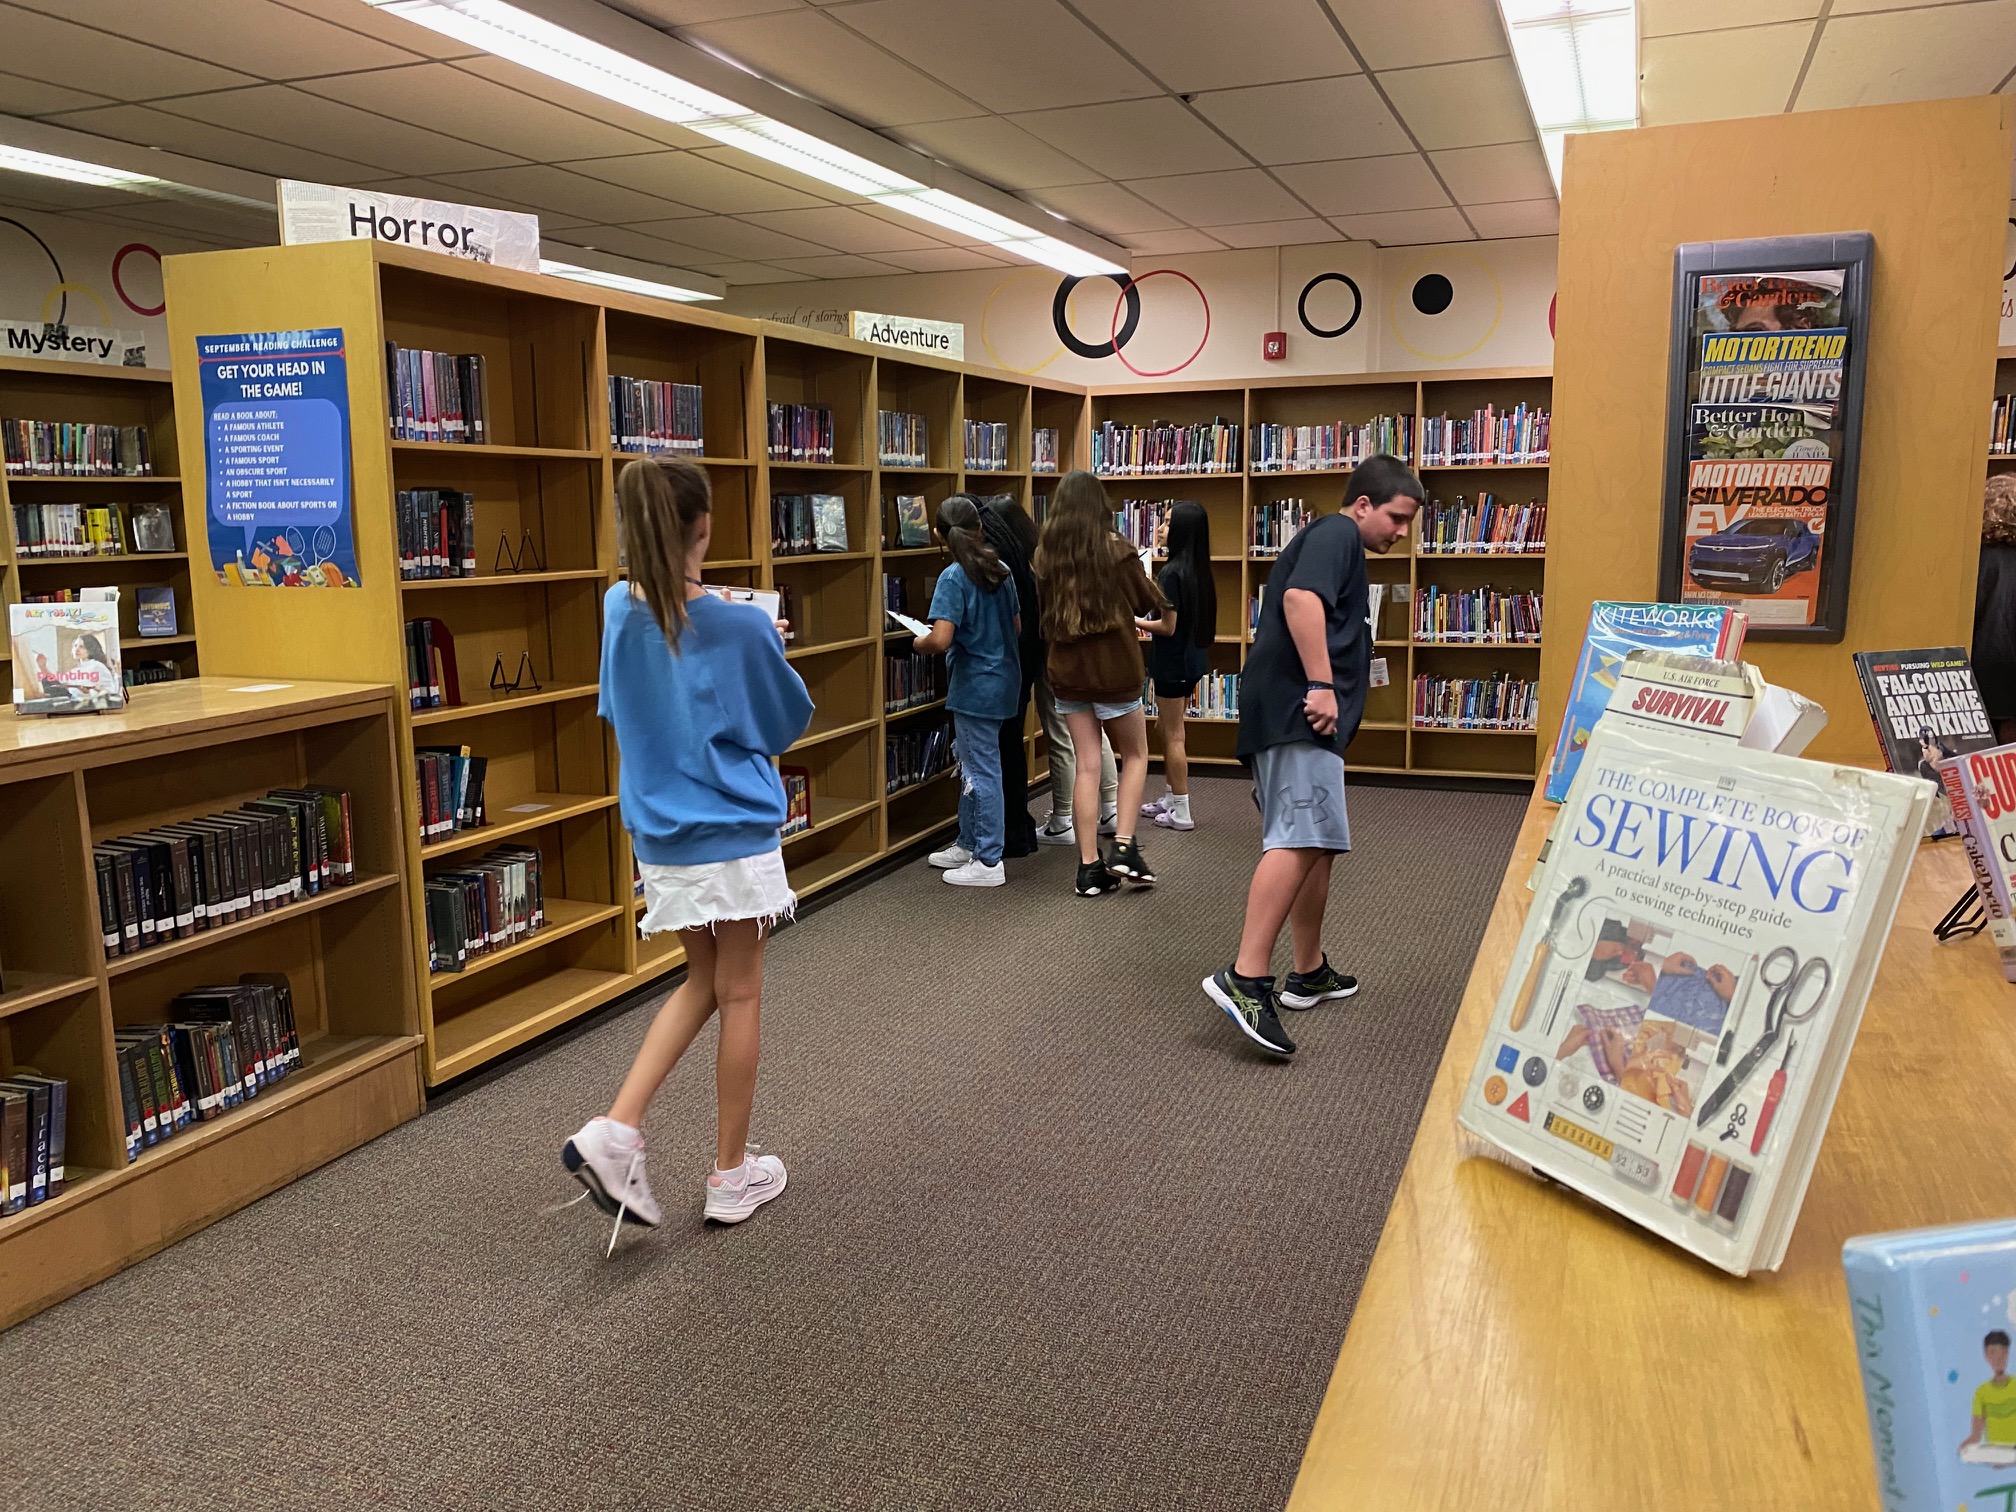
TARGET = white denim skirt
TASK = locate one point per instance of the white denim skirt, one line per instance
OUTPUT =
(715, 892)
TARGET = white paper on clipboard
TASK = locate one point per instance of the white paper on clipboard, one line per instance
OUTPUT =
(769, 602)
(914, 626)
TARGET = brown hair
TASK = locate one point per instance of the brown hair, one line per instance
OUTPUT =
(1083, 565)
(1998, 510)
(659, 502)
(958, 526)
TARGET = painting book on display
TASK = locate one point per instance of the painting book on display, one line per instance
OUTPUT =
(1680, 1006)
(66, 657)
(1980, 789)
(1933, 1310)
(1927, 709)
(1616, 629)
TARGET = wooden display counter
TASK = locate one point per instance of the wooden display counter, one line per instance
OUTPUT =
(1516, 1347)
(178, 751)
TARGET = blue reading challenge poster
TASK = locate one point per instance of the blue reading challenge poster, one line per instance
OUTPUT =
(276, 428)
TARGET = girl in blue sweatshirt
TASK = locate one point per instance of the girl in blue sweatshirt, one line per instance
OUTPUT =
(701, 699)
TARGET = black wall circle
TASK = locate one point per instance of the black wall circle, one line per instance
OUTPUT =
(1060, 317)
(1433, 293)
(1302, 304)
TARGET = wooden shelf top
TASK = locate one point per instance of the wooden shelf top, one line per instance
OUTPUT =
(483, 701)
(33, 989)
(16, 480)
(189, 707)
(808, 558)
(144, 642)
(913, 551)
(794, 652)
(930, 472)
(908, 709)
(564, 916)
(489, 1028)
(491, 579)
(491, 449)
(910, 789)
(816, 735)
(514, 816)
(37, 367)
(827, 812)
(112, 559)
(832, 467)
(151, 955)
(823, 871)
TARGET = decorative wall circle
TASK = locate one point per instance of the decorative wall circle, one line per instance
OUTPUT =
(1433, 293)
(1119, 335)
(1302, 304)
(63, 291)
(1131, 300)
(118, 288)
(1470, 318)
(63, 309)
(988, 308)
(1552, 302)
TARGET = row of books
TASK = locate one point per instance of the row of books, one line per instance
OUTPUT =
(140, 673)
(910, 680)
(1043, 449)
(986, 446)
(488, 905)
(221, 1047)
(1490, 435)
(34, 1139)
(179, 880)
(1274, 525)
(1316, 448)
(1476, 615)
(451, 783)
(1140, 521)
(656, 418)
(1498, 702)
(438, 396)
(917, 755)
(2002, 425)
(1120, 451)
(88, 530)
(801, 432)
(154, 608)
(913, 523)
(75, 449)
(437, 533)
(1215, 697)
(426, 669)
(801, 524)
(1489, 527)
(902, 439)
(896, 593)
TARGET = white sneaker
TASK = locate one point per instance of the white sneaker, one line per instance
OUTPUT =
(953, 855)
(1109, 821)
(613, 1173)
(1158, 806)
(732, 1201)
(1049, 834)
(977, 874)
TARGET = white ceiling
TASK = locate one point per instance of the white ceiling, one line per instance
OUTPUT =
(1163, 125)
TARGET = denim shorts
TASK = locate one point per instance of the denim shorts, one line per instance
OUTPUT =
(1100, 711)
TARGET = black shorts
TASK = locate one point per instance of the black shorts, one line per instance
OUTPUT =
(1181, 687)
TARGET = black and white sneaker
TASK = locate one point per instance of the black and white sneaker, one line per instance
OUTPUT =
(1323, 985)
(1125, 861)
(1249, 1003)
(1094, 879)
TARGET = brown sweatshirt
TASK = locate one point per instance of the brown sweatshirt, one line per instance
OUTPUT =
(1105, 667)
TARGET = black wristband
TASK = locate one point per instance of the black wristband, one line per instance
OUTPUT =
(1330, 687)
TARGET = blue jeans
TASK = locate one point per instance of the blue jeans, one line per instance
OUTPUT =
(982, 815)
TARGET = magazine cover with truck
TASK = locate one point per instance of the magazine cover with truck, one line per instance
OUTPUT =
(1933, 1310)
(1927, 709)
(1981, 792)
(1679, 1009)
(1616, 629)
(66, 657)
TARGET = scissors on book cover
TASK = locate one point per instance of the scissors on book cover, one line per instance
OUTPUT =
(1798, 988)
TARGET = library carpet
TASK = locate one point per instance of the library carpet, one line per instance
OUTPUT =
(1055, 1238)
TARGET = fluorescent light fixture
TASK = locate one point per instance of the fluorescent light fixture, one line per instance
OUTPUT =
(535, 43)
(1578, 61)
(622, 281)
(21, 160)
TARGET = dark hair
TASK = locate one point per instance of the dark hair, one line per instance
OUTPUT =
(1383, 479)
(1082, 565)
(658, 502)
(1009, 511)
(1190, 556)
(1996, 1336)
(93, 647)
(958, 526)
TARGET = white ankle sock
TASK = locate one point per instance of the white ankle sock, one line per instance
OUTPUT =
(623, 1136)
(730, 1178)
(1179, 805)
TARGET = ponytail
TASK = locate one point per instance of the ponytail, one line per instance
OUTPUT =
(958, 526)
(659, 503)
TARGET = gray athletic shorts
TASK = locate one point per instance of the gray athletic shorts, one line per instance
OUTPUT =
(1299, 789)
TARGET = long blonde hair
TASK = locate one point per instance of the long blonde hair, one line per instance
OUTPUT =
(658, 504)
(1082, 564)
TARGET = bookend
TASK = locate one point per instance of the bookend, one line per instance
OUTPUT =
(527, 558)
(1964, 918)
(444, 646)
(517, 682)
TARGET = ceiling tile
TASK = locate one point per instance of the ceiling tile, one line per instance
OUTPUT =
(1422, 31)
(1487, 175)
(1702, 76)
(442, 97)
(1539, 217)
(847, 230)
(997, 150)
(811, 53)
(841, 266)
(33, 97)
(45, 47)
(628, 241)
(253, 36)
(753, 273)
(1406, 228)
(1106, 208)
(550, 219)
(239, 227)
(1922, 54)
(811, 188)
(1281, 233)
(1033, 55)
(524, 81)
(1461, 104)
(1188, 45)
(1162, 243)
(943, 260)
(145, 126)
(566, 193)
(1661, 18)
(943, 235)
(1853, 7)
(1134, 138)
(677, 13)
(1366, 186)
(1300, 123)
(373, 22)
(693, 180)
(1243, 194)
(733, 238)
(292, 115)
(34, 191)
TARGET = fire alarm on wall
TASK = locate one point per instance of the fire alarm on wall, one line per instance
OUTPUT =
(1274, 346)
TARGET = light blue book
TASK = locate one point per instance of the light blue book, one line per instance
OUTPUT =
(1934, 1310)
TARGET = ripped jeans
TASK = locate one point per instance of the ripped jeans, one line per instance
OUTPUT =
(982, 815)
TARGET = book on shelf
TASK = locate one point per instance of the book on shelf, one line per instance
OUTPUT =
(154, 612)
(1322, 448)
(913, 523)
(805, 524)
(829, 522)
(986, 446)
(656, 418)
(437, 533)
(2002, 426)
(1043, 449)
(916, 755)
(902, 439)
(1685, 992)
(66, 655)
(1476, 616)
(797, 800)
(1490, 437)
(483, 907)
(151, 528)
(1120, 451)
(69, 530)
(1498, 702)
(800, 432)
(437, 396)
(428, 683)
(1273, 525)
(141, 674)
(911, 679)
(220, 1047)
(1140, 522)
(34, 1138)
(1039, 507)
(1927, 709)
(1616, 629)
(1216, 697)
(1489, 527)
(1980, 790)
(451, 782)
(74, 449)
(1932, 1311)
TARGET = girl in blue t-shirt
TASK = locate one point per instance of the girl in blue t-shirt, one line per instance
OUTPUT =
(975, 618)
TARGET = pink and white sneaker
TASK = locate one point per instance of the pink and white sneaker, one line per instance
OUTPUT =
(733, 1197)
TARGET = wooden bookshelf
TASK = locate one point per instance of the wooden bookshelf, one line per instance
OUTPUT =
(87, 391)
(198, 745)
